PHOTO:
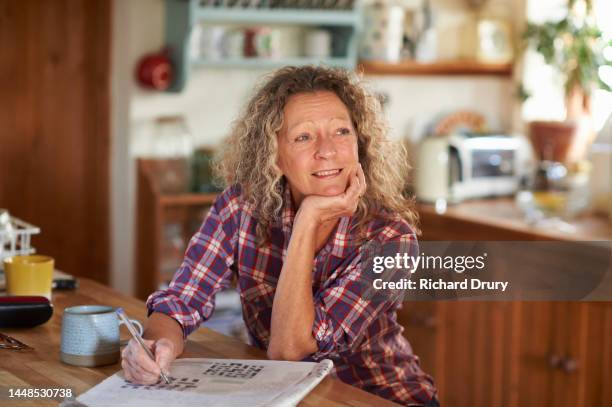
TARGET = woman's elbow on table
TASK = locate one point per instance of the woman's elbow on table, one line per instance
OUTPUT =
(291, 352)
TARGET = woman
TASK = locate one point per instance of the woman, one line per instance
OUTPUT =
(312, 179)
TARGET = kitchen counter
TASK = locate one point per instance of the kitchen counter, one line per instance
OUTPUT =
(501, 219)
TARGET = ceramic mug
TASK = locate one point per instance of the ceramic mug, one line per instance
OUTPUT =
(29, 275)
(318, 44)
(383, 32)
(90, 335)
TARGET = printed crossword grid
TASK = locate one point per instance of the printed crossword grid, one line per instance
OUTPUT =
(230, 370)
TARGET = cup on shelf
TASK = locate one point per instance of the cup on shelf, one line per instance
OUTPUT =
(232, 44)
(290, 41)
(382, 37)
(267, 42)
(249, 50)
(212, 42)
(318, 44)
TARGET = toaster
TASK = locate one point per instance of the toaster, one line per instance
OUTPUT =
(462, 166)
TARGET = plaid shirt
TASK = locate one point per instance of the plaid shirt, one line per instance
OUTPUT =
(360, 336)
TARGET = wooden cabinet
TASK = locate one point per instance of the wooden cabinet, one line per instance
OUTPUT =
(550, 349)
(564, 354)
(514, 353)
(596, 366)
(511, 354)
(165, 223)
(463, 345)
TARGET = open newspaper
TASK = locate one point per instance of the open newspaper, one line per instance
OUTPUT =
(215, 382)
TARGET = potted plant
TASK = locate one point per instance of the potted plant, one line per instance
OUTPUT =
(574, 47)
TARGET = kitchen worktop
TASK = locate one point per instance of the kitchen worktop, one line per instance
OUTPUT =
(502, 219)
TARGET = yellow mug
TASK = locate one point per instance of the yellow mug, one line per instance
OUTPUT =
(29, 275)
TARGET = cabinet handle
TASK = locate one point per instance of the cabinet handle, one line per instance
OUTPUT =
(570, 365)
(567, 364)
(554, 361)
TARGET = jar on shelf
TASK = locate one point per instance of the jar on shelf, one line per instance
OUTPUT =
(173, 145)
(382, 37)
(202, 171)
(172, 137)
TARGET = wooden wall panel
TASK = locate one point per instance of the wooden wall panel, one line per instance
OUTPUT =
(55, 126)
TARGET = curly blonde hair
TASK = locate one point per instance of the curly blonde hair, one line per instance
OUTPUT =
(249, 155)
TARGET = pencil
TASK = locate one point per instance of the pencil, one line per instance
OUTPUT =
(138, 338)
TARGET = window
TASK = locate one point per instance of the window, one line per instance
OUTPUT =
(545, 84)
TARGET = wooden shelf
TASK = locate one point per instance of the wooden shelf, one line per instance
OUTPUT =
(454, 68)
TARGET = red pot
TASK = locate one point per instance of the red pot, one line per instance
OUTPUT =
(552, 140)
(154, 71)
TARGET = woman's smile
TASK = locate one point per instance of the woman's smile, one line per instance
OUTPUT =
(327, 174)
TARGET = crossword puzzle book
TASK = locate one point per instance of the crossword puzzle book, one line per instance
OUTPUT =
(215, 382)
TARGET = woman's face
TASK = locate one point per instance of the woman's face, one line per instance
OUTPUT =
(317, 145)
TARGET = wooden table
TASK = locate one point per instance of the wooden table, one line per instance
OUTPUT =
(41, 367)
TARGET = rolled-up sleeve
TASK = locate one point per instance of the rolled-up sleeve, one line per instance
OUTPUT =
(345, 309)
(205, 270)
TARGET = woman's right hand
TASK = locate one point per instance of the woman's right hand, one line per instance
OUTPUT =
(139, 368)
(321, 209)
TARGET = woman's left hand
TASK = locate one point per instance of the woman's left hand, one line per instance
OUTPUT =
(321, 209)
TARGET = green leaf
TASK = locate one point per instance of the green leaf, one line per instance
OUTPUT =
(578, 53)
(522, 93)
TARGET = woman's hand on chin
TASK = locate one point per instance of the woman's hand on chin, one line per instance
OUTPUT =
(321, 209)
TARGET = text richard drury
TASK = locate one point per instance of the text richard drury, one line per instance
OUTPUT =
(456, 264)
